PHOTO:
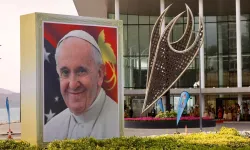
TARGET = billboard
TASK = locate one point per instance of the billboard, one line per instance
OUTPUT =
(78, 77)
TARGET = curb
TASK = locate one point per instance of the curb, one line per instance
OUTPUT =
(3, 134)
(232, 122)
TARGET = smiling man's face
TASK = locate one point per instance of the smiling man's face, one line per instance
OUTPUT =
(80, 75)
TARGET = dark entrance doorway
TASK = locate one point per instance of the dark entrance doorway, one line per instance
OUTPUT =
(228, 102)
(225, 103)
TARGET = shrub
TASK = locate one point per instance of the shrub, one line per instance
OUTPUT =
(195, 141)
(227, 139)
(190, 118)
(166, 114)
(228, 131)
(14, 145)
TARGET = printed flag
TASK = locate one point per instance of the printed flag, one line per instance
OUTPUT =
(182, 104)
(8, 109)
(160, 105)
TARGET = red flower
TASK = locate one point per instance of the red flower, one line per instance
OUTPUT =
(156, 119)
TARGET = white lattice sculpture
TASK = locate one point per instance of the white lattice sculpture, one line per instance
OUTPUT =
(168, 61)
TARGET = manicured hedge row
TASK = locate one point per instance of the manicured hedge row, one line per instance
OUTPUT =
(226, 139)
(15, 145)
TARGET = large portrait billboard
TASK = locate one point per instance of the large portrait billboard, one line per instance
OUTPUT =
(80, 81)
(80, 78)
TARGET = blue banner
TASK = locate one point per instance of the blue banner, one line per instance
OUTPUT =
(8, 108)
(182, 104)
(160, 105)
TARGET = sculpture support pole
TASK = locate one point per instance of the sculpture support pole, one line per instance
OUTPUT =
(162, 8)
(239, 57)
(200, 100)
(117, 11)
(220, 42)
(202, 70)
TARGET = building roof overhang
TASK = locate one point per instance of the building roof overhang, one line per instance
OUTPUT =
(194, 91)
(152, 7)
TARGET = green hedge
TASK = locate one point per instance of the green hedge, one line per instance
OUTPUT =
(225, 139)
(166, 114)
(15, 145)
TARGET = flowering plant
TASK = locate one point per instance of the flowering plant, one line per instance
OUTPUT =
(157, 119)
(166, 114)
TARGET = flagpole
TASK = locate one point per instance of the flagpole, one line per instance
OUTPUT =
(8, 112)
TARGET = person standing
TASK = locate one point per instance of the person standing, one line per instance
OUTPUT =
(246, 111)
(238, 112)
(220, 115)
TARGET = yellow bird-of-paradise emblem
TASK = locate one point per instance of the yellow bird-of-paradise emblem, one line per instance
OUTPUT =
(108, 57)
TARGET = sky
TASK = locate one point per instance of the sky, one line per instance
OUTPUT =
(10, 12)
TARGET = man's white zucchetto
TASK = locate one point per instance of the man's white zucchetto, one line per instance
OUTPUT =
(82, 35)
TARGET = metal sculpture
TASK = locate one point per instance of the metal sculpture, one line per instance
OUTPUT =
(168, 61)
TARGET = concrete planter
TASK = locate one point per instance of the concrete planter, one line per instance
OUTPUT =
(161, 124)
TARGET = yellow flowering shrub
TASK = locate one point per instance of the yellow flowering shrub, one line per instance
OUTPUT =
(225, 139)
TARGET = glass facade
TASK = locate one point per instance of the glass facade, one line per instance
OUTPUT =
(219, 48)
(220, 57)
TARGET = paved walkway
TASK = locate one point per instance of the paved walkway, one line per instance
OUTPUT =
(15, 127)
(240, 126)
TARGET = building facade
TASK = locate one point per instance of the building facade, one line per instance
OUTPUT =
(223, 66)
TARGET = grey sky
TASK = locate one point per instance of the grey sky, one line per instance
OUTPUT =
(10, 11)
